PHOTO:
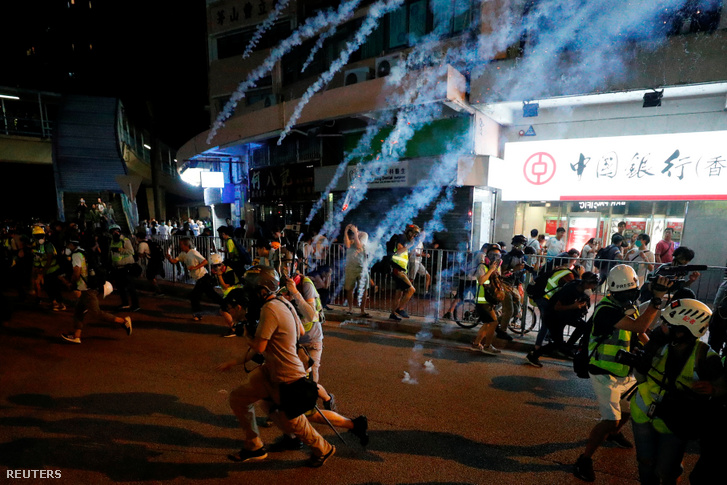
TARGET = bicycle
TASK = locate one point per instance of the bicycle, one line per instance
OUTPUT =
(530, 315)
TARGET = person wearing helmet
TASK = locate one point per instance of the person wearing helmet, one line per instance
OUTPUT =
(123, 265)
(228, 281)
(204, 283)
(616, 322)
(567, 306)
(682, 364)
(400, 263)
(87, 290)
(275, 337)
(46, 269)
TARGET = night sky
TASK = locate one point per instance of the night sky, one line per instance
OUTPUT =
(149, 53)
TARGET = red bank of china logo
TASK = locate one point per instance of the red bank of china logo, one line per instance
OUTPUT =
(539, 168)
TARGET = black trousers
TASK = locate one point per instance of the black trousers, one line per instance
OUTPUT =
(124, 283)
(204, 286)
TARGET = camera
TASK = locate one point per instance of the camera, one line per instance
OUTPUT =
(639, 359)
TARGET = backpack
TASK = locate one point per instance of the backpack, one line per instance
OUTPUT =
(605, 257)
(156, 253)
(582, 357)
(536, 289)
(494, 292)
(391, 245)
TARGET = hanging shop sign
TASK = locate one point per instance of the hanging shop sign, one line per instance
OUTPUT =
(290, 183)
(386, 175)
(682, 166)
(580, 230)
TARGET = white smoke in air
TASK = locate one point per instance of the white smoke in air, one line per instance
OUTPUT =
(263, 27)
(376, 11)
(408, 379)
(317, 47)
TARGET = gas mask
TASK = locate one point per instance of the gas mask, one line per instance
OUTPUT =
(626, 298)
(679, 335)
(116, 237)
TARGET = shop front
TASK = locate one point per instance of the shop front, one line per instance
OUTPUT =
(589, 185)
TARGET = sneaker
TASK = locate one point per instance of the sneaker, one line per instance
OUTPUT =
(197, 318)
(127, 325)
(318, 461)
(230, 332)
(402, 313)
(69, 337)
(477, 347)
(249, 455)
(394, 316)
(360, 429)
(619, 440)
(447, 316)
(330, 405)
(502, 334)
(56, 307)
(286, 443)
(533, 360)
(491, 350)
(583, 469)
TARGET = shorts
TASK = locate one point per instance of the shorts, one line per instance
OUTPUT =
(609, 390)
(417, 268)
(485, 313)
(355, 277)
(401, 280)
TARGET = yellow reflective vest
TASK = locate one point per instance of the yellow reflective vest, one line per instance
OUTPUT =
(603, 352)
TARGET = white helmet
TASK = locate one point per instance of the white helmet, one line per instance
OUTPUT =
(689, 313)
(108, 288)
(622, 277)
(215, 258)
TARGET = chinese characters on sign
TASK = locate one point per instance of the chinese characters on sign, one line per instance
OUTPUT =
(292, 183)
(385, 175)
(241, 12)
(676, 166)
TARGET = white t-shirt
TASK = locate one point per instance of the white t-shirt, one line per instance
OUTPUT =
(640, 262)
(78, 260)
(193, 258)
(555, 246)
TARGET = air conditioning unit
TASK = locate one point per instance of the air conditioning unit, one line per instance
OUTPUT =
(385, 64)
(271, 100)
(355, 76)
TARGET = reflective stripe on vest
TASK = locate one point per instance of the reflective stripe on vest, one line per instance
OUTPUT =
(605, 356)
(318, 305)
(552, 282)
(651, 391)
(481, 289)
(117, 256)
(39, 257)
(226, 291)
(401, 260)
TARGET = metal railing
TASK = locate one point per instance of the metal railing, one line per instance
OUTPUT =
(452, 285)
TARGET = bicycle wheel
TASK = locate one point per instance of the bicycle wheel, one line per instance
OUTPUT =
(469, 316)
(531, 316)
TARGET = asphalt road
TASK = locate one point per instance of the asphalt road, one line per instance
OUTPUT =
(150, 408)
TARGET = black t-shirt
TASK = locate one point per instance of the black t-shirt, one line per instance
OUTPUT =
(606, 317)
(567, 295)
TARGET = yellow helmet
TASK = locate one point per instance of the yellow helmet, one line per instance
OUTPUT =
(38, 230)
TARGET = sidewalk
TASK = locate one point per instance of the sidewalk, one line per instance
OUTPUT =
(441, 329)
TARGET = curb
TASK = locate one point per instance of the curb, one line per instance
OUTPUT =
(440, 329)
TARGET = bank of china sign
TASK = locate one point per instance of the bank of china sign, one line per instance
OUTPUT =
(684, 166)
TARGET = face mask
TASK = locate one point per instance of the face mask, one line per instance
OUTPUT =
(117, 237)
(67, 252)
(638, 244)
(41, 241)
(626, 298)
(679, 336)
(493, 256)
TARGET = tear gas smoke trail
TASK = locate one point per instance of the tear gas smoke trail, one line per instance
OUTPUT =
(421, 54)
(318, 45)
(376, 11)
(579, 50)
(312, 26)
(395, 145)
(361, 150)
(263, 27)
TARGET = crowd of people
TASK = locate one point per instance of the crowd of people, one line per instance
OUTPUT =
(275, 298)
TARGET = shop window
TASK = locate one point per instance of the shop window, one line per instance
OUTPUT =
(374, 44)
(398, 35)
